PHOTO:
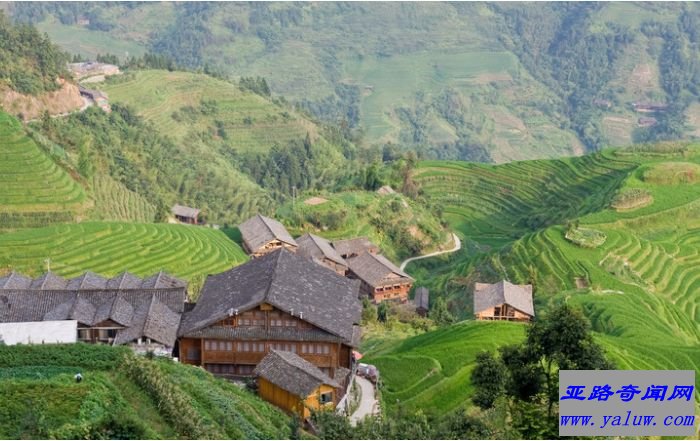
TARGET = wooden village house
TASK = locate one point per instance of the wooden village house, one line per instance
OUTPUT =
(320, 251)
(141, 313)
(348, 248)
(262, 235)
(295, 385)
(380, 279)
(503, 301)
(186, 215)
(279, 301)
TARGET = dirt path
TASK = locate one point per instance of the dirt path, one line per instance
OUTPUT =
(86, 103)
(458, 245)
(368, 402)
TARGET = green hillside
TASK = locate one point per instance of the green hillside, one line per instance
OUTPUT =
(398, 225)
(123, 397)
(634, 271)
(183, 105)
(431, 371)
(109, 248)
(477, 81)
(35, 190)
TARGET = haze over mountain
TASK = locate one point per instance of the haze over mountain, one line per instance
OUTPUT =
(480, 81)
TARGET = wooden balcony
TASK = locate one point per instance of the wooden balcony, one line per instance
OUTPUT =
(232, 357)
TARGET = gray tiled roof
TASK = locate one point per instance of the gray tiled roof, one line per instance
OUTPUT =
(315, 247)
(183, 211)
(260, 230)
(152, 311)
(49, 281)
(517, 296)
(124, 280)
(88, 280)
(288, 282)
(162, 280)
(15, 281)
(373, 269)
(292, 373)
(355, 246)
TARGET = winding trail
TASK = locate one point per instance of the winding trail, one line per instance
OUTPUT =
(368, 401)
(458, 245)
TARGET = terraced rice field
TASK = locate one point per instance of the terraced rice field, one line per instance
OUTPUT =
(34, 188)
(431, 371)
(115, 202)
(250, 121)
(496, 204)
(109, 248)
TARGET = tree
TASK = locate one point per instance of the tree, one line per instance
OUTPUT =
(369, 311)
(489, 378)
(440, 314)
(560, 339)
(85, 166)
(383, 312)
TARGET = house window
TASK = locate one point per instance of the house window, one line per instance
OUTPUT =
(83, 334)
(193, 353)
(326, 398)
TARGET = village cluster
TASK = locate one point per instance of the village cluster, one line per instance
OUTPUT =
(290, 317)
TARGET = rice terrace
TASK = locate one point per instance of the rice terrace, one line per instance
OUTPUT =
(359, 220)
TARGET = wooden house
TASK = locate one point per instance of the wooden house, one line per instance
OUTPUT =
(262, 235)
(380, 279)
(320, 251)
(186, 215)
(144, 314)
(422, 301)
(503, 301)
(279, 301)
(295, 385)
(348, 248)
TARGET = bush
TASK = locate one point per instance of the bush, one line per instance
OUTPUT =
(80, 355)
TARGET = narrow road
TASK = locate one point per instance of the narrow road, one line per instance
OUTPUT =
(458, 245)
(368, 402)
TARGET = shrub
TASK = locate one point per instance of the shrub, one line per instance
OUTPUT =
(80, 355)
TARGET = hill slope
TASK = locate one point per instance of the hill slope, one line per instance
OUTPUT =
(123, 397)
(36, 191)
(109, 248)
(481, 81)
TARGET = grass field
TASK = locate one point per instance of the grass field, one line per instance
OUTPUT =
(35, 190)
(42, 400)
(115, 202)
(109, 248)
(249, 121)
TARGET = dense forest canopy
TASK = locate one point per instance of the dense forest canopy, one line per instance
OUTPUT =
(29, 62)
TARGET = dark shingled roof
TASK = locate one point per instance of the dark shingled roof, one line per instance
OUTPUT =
(49, 281)
(374, 269)
(286, 281)
(422, 297)
(517, 296)
(318, 248)
(152, 311)
(162, 280)
(15, 281)
(355, 246)
(260, 230)
(124, 280)
(292, 373)
(181, 210)
(87, 281)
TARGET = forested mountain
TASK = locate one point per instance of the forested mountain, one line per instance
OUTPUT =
(479, 81)
(29, 62)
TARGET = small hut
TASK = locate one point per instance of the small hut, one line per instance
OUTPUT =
(503, 301)
(186, 215)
